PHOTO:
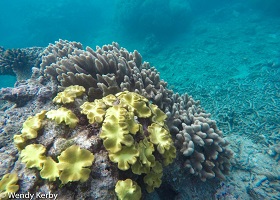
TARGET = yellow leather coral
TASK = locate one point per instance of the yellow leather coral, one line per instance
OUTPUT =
(95, 111)
(136, 102)
(29, 129)
(160, 137)
(128, 190)
(69, 94)
(158, 115)
(134, 133)
(33, 156)
(146, 158)
(153, 178)
(49, 170)
(115, 129)
(72, 164)
(124, 157)
(8, 185)
(63, 115)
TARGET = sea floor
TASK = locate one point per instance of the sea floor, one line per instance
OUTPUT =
(231, 63)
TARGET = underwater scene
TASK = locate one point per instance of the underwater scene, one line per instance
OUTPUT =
(140, 100)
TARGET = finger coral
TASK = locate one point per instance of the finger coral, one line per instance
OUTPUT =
(128, 190)
(107, 70)
(8, 184)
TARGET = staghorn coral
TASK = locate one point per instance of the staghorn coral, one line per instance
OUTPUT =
(112, 69)
(18, 62)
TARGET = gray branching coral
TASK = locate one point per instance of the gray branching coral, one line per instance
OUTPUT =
(18, 62)
(111, 69)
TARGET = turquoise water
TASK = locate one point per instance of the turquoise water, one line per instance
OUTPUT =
(7, 81)
(224, 53)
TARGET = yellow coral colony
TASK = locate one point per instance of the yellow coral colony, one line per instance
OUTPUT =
(128, 190)
(30, 129)
(72, 164)
(33, 156)
(49, 170)
(129, 144)
(69, 94)
(8, 185)
(63, 115)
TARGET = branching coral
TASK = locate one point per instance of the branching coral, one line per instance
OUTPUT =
(136, 120)
(18, 62)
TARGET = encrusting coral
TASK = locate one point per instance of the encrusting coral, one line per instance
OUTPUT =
(133, 132)
(8, 184)
(71, 166)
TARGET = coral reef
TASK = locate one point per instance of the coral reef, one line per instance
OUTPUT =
(123, 113)
(18, 62)
(108, 70)
(25, 91)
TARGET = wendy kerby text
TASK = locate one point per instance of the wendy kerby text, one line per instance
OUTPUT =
(30, 196)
